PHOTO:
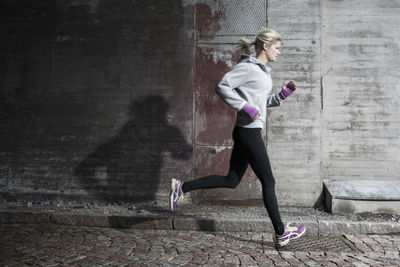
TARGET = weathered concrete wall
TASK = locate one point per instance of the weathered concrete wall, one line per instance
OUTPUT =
(95, 98)
(294, 129)
(343, 122)
(109, 99)
(361, 75)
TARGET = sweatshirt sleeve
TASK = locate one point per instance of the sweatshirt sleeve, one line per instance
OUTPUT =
(273, 101)
(231, 80)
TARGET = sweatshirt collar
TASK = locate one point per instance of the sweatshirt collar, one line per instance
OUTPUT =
(252, 59)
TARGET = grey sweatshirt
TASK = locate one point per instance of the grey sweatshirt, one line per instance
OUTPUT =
(248, 82)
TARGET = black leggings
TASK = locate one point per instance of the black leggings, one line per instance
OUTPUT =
(248, 148)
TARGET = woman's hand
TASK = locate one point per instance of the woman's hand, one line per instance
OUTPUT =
(291, 85)
(287, 90)
(253, 112)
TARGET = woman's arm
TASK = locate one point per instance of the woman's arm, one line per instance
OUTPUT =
(231, 80)
(273, 101)
(278, 98)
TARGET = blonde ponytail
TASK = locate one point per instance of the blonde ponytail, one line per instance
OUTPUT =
(245, 46)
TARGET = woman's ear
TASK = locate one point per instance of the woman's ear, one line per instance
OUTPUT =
(265, 46)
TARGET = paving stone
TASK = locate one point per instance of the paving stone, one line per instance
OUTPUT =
(294, 262)
(374, 255)
(360, 264)
(283, 263)
(391, 254)
(287, 254)
(326, 263)
(312, 263)
(301, 254)
(271, 252)
(51, 244)
(317, 253)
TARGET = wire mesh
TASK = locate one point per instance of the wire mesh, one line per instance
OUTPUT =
(221, 21)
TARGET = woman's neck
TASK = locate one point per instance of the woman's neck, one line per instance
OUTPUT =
(263, 58)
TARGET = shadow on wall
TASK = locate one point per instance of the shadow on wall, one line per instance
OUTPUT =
(127, 167)
(70, 72)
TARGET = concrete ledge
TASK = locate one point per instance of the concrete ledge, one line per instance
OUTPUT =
(204, 224)
(119, 222)
(314, 227)
(335, 228)
(359, 206)
(79, 220)
(357, 196)
(227, 225)
(23, 217)
(122, 222)
(141, 222)
(364, 189)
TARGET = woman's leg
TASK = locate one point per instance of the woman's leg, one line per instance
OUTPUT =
(238, 166)
(259, 162)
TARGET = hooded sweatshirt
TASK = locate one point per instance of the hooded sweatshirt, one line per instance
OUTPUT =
(248, 82)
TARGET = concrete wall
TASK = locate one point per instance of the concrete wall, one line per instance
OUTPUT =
(95, 98)
(109, 99)
(361, 75)
(294, 132)
(343, 122)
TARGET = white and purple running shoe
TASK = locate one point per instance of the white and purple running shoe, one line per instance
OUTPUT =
(176, 193)
(289, 234)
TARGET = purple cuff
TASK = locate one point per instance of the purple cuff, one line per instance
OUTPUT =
(284, 93)
(250, 110)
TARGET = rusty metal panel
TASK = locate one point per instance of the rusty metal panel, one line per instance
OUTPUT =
(212, 160)
(213, 118)
(214, 57)
(219, 25)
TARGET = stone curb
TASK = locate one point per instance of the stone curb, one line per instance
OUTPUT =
(156, 222)
(327, 227)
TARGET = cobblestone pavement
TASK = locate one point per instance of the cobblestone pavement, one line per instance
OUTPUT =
(57, 245)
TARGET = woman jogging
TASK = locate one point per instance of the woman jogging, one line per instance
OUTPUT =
(247, 89)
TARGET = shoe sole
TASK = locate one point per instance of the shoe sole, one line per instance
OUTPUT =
(287, 242)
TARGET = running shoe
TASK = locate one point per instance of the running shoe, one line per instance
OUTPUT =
(289, 234)
(176, 193)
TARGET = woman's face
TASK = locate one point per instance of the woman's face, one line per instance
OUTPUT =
(272, 50)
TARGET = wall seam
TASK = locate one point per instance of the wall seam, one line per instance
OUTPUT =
(194, 88)
(321, 94)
